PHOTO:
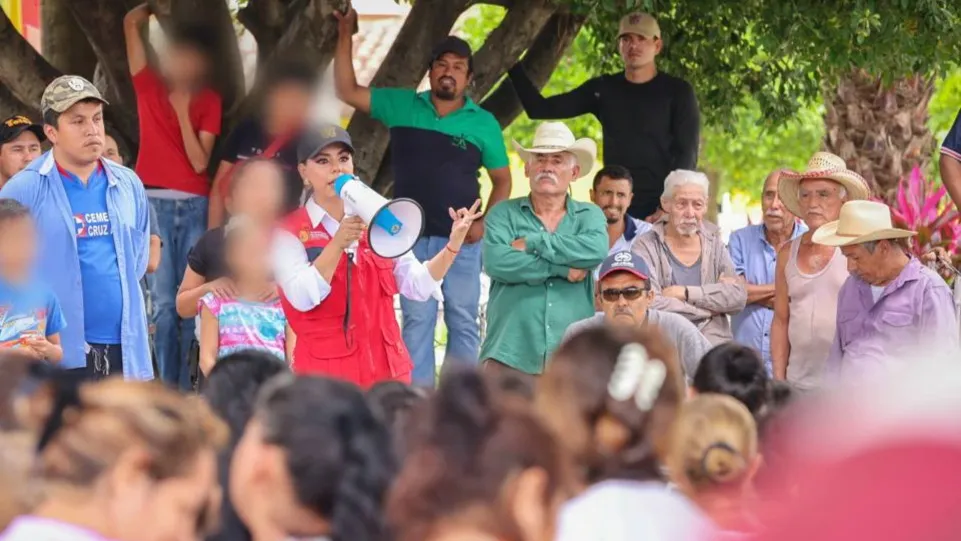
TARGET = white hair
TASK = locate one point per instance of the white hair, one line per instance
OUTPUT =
(684, 177)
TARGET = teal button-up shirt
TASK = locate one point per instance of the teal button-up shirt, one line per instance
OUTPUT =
(531, 302)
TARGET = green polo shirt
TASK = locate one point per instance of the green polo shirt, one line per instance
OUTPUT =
(435, 158)
(531, 302)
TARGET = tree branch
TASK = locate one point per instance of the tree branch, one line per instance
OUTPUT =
(102, 23)
(504, 46)
(541, 59)
(10, 105)
(265, 19)
(24, 72)
(63, 41)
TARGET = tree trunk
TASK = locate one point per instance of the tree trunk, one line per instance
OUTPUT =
(880, 130)
(64, 44)
(10, 105)
(428, 22)
(541, 60)
(24, 72)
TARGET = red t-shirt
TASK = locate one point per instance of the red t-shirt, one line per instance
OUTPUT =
(163, 161)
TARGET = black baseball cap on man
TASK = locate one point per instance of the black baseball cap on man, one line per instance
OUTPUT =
(16, 125)
(313, 140)
(455, 46)
(624, 262)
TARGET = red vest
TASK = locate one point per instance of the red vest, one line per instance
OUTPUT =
(364, 346)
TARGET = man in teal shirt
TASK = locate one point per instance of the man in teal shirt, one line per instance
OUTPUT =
(539, 252)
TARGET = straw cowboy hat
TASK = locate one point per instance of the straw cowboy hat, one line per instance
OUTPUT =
(823, 165)
(552, 137)
(860, 222)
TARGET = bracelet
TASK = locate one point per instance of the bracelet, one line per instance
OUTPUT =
(451, 250)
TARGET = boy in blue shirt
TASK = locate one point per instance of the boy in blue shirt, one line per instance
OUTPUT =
(30, 316)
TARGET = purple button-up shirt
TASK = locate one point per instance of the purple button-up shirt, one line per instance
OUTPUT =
(915, 310)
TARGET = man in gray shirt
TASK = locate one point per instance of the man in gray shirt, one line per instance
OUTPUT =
(624, 295)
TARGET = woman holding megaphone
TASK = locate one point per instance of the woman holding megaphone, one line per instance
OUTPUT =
(337, 293)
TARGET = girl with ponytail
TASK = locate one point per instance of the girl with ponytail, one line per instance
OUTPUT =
(314, 461)
(481, 467)
(714, 459)
(611, 396)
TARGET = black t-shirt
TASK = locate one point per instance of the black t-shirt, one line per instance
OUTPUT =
(650, 128)
(206, 258)
(249, 139)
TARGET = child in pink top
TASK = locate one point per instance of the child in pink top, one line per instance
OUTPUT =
(251, 318)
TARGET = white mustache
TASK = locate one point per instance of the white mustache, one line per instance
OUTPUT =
(774, 214)
(546, 176)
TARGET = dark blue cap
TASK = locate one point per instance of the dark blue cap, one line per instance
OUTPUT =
(627, 262)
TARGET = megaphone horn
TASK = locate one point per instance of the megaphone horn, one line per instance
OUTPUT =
(393, 227)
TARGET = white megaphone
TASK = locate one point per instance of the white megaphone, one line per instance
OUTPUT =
(393, 227)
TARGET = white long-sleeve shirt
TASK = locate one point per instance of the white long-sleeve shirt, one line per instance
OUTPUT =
(305, 288)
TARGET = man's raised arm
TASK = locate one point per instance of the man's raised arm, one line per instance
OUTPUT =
(345, 80)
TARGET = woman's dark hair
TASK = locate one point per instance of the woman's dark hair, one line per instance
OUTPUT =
(611, 438)
(468, 444)
(194, 36)
(231, 390)
(292, 73)
(393, 402)
(735, 370)
(339, 454)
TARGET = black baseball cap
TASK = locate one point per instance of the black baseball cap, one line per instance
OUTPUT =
(455, 46)
(314, 140)
(17, 124)
(624, 262)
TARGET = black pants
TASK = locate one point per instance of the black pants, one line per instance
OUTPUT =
(103, 361)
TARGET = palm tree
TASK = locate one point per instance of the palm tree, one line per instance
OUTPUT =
(880, 128)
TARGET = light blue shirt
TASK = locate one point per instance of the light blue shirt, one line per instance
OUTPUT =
(755, 259)
(632, 228)
(40, 187)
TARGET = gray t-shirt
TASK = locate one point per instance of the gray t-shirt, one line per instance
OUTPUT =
(684, 275)
(681, 333)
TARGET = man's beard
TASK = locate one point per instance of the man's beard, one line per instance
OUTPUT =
(444, 94)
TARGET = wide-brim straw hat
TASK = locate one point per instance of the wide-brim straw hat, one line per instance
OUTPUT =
(823, 165)
(860, 222)
(552, 137)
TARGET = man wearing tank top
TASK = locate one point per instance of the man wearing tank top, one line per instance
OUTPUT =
(809, 276)
(691, 271)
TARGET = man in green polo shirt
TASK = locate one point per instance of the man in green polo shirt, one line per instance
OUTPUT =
(439, 140)
(540, 252)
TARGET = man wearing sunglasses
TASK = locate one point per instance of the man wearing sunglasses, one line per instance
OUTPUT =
(624, 296)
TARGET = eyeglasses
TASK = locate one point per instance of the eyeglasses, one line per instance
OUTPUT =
(629, 293)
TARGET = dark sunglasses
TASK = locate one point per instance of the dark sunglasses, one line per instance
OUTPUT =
(629, 293)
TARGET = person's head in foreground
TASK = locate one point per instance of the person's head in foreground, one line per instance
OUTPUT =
(481, 467)
(816, 194)
(20, 142)
(313, 461)
(624, 289)
(394, 402)
(735, 370)
(613, 191)
(111, 150)
(231, 390)
(639, 40)
(685, 201)
(610, 394)
(556, 158)
(72, 110)
(256, 190)
(325, 153)
(874, 248)
(126, 461)
(451, 69)
(777, 218)
(714, 457)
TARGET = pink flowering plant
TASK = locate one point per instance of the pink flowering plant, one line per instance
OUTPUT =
(923, 206)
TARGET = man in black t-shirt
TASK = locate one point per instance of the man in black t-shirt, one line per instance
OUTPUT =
(274, 131)
(650, 120)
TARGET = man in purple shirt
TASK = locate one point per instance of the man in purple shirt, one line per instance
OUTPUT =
(891, 305)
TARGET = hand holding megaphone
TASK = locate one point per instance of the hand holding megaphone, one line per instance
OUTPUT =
(393, 226)
(350, 231)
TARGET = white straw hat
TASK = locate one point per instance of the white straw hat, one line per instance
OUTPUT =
(823, 165)
(552, 137)
(860, 222)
